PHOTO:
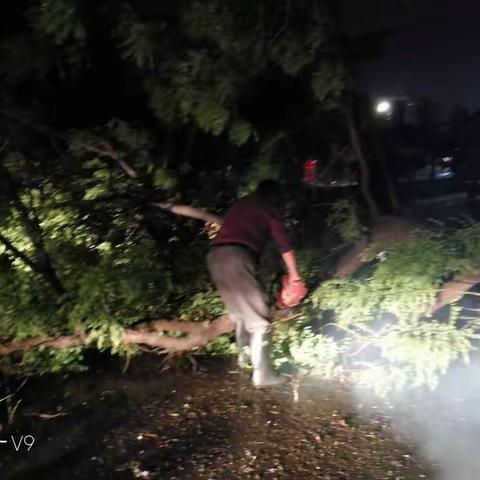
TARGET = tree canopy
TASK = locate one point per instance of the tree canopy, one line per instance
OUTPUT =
(106, 107)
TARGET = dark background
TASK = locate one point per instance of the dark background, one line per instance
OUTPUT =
(432, 51)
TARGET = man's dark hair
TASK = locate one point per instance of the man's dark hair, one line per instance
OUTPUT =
(270, 192)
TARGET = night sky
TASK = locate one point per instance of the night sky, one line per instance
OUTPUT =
(433, 51)
(434, 54)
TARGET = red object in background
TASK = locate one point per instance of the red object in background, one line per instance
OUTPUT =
(310, 171)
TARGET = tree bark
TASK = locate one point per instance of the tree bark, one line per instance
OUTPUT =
(364, 169)
(388, 229)
(396, 229)
(454, 290)
(188, 211)
(380, 155)
(151, 334)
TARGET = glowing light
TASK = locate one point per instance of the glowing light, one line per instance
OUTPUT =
(383, 107)
(310, 171)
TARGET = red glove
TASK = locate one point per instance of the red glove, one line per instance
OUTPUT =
(291, 294)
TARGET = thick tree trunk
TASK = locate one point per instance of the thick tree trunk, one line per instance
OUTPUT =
(454, 290)
(396, 229)
(362, 161)
(380, 155)
(388, 229)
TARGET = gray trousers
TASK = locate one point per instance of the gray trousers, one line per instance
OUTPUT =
(233, 270)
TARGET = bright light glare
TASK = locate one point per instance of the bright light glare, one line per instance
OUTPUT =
(383, 107)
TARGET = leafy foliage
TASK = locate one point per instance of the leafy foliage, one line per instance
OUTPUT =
(27, 307)
(344, 221)
(137, 42)
(306, 352)
(53, 360)
(58, 19)
(329, 82)
(202, 306)
(385, 316)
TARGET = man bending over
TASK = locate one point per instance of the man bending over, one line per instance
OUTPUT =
(233, 259)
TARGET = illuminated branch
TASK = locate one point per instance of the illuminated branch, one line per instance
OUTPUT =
(105, 149)
(188, 211)
(151, 334)
(211, 220)
(198, 334)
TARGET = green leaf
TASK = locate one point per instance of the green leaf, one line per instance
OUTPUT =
(240, 132)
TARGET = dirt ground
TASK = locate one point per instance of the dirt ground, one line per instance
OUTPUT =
(211, 424)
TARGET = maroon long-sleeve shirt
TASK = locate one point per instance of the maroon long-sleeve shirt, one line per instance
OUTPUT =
(249, 222)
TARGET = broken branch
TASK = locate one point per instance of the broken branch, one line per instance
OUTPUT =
(188, 211)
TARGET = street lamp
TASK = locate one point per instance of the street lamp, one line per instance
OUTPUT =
(383, 107)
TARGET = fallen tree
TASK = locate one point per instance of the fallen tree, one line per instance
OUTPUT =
(193, 335)
(156, 334)
(113, 281)
(152, 334)
(391, 230)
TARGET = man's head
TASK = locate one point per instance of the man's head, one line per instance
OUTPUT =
(270, 192)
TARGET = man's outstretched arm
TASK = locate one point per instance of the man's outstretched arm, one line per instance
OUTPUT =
(291, 263)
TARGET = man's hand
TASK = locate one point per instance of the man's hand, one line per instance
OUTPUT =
(212, 229)
(292, 293)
